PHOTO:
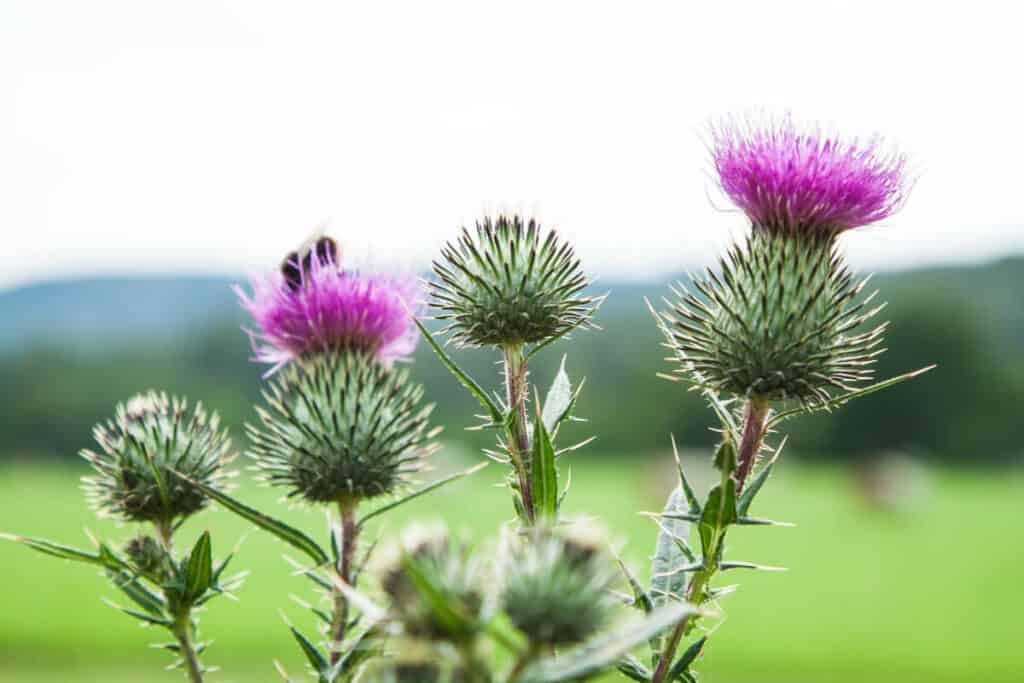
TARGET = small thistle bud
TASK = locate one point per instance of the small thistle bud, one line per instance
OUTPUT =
(341, 427)
(431, 557)
(508, 284)
(150, 454)
(556, 587)
(778, 321)
(312, 305)
(146, 554)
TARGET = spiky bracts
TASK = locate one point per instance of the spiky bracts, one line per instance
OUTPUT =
(149, 456)
(340, 428)
(509, 282)
(429, 566)
(779, 320)
(555, 587)
(312, 306)
(793, 179)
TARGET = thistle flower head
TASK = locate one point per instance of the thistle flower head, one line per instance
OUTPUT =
(146, 554)
(429, 557)
(556, 586)
(508, 282)
(801, 180)
(312, 305)
(341, 427)
(149, 456)
(779, 320)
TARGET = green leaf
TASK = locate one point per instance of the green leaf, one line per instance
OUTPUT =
(368, 644)
(316, 660)
(543, 472)
(492, 409)
(641, 599)
(747, 497)
(633, 668)
(719, 512)
(421, 491)
(200, 568)
(847, 397)
(604, 651)
(666, 583)
(139, 593)
(691, 497)
(66, 552)
(559, 400)
(683, 664)
(286, 533)
(725, 457)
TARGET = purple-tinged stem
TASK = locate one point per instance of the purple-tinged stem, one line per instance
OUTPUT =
(349, 534)
(518, 436)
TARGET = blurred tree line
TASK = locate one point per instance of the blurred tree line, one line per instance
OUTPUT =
(968, 321)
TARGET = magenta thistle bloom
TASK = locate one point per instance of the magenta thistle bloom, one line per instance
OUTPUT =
(786, 178)
(316, 306)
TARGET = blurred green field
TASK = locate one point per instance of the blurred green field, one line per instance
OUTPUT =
(932, 595)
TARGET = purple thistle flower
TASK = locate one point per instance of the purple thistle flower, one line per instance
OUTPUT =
(790, 179)
(315, 306)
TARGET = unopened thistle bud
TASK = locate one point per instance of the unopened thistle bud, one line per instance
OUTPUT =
(432, 558)
(146, 554)
(556, 586)
(507, 283)
(782, 317)
(341, 428)
(312, 305)
(149, 456)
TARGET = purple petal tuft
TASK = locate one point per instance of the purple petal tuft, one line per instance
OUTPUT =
(786, 178)
(332, 309)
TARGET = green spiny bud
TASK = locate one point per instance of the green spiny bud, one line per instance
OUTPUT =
(507, 284)
(429, 558)
(146, 555)
(150, 455)
(341, 427)
(778, 321)
(556, 586)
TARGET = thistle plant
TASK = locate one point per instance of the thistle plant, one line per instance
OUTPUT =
(155, 466)
(778, 330)
(513, 286)
(781, 327)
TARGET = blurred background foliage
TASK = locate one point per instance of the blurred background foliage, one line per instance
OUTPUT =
(70, 350)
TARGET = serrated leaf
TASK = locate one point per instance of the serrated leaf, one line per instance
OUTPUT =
(684, 483)
(313, 656)
(719, 512)
(604, 651)
(286, 533)
(200, 568)
(747, 497)
(682, 665)
(421, 491)
(543, 473)
(641, 599)
(492, 409)
(725, 457)
(139, 593)
(668, 585)
(558, 401)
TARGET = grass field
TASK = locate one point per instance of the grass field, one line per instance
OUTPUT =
(928, 596)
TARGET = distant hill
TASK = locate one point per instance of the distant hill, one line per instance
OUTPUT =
(94, 313)
(70, 350)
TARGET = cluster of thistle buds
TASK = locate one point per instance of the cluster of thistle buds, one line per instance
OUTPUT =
(778, 329)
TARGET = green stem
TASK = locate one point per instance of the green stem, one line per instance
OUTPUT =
(339, 622)
(755, 416)
(184, 632)
(518, 435)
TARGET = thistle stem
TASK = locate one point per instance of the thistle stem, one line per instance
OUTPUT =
(518, 436)
(755, 417)
(183, 631)
(339, 622)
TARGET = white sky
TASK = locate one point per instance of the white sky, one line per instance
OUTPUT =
(212, 136)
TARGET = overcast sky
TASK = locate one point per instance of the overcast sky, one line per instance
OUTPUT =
(213, 136)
